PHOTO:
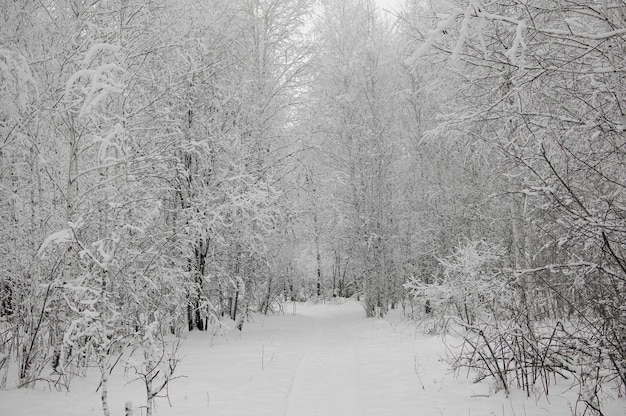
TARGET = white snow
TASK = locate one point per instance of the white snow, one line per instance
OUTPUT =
(325, 360)
(59, 237)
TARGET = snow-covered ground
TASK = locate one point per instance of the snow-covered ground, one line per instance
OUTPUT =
(326, 359)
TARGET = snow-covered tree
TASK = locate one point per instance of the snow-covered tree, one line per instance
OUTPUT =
(541, 83)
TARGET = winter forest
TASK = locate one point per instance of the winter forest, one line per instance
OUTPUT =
(176, 167)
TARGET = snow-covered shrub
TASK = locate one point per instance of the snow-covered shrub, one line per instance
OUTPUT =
(470, 287)
(504, 339)
(535, 358)
(155, 356)
(511, 355)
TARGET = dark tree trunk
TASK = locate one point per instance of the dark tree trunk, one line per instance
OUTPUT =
(268, 297)
(190, 316)
(319, 275)
(198, 316)
(233, 310)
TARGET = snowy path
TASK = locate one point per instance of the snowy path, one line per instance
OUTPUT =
(325, 360)
(325, 379)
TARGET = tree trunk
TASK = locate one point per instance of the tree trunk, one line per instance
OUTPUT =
(189, 314)
(318, 256)
(199, 322)
(104, 396)
(235, 301)
(149, 397)
(268, 297)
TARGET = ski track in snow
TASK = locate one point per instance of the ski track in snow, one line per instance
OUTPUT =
(325, 360)
(325, 380)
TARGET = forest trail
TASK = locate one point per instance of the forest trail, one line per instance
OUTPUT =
(325, 379)
(322, 360)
